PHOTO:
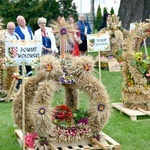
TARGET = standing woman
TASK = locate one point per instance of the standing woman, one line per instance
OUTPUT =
(84, 28)
(46, 36)
(76, 36)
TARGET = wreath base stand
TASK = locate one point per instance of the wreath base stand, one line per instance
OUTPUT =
(105, 143)
(135, 115)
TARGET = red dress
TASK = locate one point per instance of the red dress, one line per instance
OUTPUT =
(75, 51)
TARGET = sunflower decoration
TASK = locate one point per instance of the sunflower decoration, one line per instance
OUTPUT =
(141, 61)
(64, 32)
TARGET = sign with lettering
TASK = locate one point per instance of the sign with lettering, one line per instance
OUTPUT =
(19, 52)
(98, 42)
(114, 66)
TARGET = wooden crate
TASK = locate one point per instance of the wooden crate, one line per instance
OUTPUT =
(135, 115)
(107, 143)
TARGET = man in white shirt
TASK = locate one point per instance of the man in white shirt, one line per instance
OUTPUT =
(10, 33)
(10, 70)
(25, 33)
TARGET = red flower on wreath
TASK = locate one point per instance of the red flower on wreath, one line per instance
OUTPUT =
(30, 140)
(62, 112)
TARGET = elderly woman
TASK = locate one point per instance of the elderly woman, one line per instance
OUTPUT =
(46, 36)
(84, 28)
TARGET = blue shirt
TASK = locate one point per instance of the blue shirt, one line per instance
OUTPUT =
(47, 43)
(81, 26)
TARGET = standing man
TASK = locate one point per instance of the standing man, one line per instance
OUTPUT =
(25, 33)
(84, 28)
(10, 33)
(10, 70)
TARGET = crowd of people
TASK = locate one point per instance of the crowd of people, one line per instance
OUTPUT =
(47, 38)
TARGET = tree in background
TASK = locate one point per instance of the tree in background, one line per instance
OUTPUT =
(112, 11)
(105, 10)
(67, 8)
(99, 18)
(133, 11)
(33, 9)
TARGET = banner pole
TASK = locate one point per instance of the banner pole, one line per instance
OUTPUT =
(99, 65)
(23, 105)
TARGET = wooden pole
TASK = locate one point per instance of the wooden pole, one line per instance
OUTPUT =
(99, 65)
(23, 105)
(11, 90)
(62, 46)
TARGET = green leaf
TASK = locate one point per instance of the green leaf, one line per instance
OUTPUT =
(133, 62)
(146, 61)
(142, 69)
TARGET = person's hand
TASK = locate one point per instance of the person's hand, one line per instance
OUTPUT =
(49, 49)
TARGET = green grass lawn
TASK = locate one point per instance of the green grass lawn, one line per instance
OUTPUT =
(131, 135)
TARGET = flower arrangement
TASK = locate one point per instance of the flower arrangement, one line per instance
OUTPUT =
(143, 63)
(64, 118)
(30, 140)
(33, 141)
(62, 115)
(66, 78)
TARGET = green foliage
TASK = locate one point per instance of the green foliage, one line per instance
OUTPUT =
(99, 18)
(66, 8)
(80, 114)
(33, 9)
(142, 62)
(105, 10)
(112, 11)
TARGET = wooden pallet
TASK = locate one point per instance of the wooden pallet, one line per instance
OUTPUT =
(134, 114)
(106, 144)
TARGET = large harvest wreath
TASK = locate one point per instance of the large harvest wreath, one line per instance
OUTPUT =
(39, 91)
(136, 74)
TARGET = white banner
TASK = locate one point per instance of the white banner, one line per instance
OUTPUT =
(19, 52)
(98, 42)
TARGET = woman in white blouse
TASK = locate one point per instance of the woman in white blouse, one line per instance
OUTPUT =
(46, 36)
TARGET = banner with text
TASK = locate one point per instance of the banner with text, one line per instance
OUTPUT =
(98, 42)
(19, 52)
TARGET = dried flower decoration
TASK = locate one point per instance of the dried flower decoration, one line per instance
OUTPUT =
(87, 67)
(142, 62)
(30, 140)
(42, 111)
(49, 67)
(67, 79)
(63, 31)
(100, 107)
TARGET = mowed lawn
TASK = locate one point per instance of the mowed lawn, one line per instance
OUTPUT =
(130, 134)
